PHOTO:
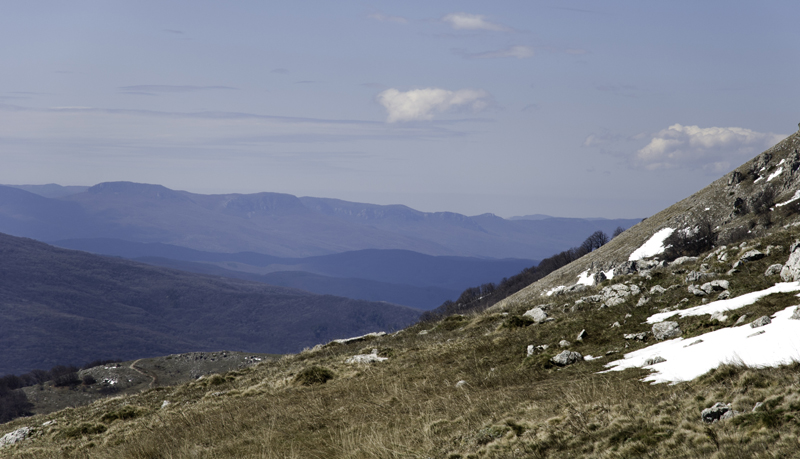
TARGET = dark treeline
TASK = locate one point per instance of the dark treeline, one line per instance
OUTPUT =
(13, 401)
(476, 299)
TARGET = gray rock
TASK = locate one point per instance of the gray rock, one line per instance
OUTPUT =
(615, 325)
(582, 335)
(567, 358)
(654, 360)
(791, 269)
(773, 270)
(696, 291)
(760, 322)
(628, 267)
(741, 319)
(599, 277)
(531, 350)
(682, 260)
(357, 339)
(714, 413)
(695, 276)
(657, 289)
(756, 334)
(715, 286)
(751, 255)
(537, 315)
(636, 336)
(719, 316)
(366, 358)
(16, 436)
(796, 314)
(564, 343)
(666, 330)
(724, 295)
(618, 293)
(642, 301)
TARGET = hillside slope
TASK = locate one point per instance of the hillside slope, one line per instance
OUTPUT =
(62, 306)
(563, 375)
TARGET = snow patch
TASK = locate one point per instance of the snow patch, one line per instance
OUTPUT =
(758, 179)
(791, 200)
(585, 278)
(775, 174)
(609, 274)
(729, 304)
(653, 246)
(778, 345)
(782, 161)
(554, 290)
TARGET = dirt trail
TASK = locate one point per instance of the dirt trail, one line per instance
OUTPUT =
(144, 372)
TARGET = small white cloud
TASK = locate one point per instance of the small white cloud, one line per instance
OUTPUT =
(387, 18)
(712, 148)
(518, 51)
(421, 104)
(465, 21)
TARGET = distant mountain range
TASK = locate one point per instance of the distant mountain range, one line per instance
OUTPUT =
(277, 224)
(62, 306)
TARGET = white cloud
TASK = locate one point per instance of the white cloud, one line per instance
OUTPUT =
(387, 18)
(712, 148)
(420, 104)
(465, 21)
(518, 51)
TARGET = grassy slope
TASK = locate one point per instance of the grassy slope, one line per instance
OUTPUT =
(409, 406)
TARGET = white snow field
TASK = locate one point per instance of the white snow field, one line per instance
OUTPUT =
(769, 345)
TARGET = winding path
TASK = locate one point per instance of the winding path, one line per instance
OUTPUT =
(144, 372)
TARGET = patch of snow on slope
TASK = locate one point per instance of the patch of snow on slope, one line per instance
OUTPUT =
(554, 290)
(609, 274)
(687, 359)
(727, 305)
(775, 174)
(791, 200)
(653, 246)
(585, 278)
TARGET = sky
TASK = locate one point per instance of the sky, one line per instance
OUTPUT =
(612, 109)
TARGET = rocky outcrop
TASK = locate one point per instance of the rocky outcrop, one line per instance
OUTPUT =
(16, 436)
(773, 270)
(716, 413)
(366, 358)
(760, 322)
(537, 315)
(791, 270)
(666, 330)
(618, 293)
(567, 358)
(715, 286)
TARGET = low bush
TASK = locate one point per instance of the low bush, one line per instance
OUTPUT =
(313, 375)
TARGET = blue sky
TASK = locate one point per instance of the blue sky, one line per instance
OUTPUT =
(568, 108)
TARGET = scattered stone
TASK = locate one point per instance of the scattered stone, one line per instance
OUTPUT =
(617, 293)
(696, 291)
(773, 249)
(461, 384)
(695, 276)
(615, 325)
(636, 336)
(715, 286)
(724, 295)
(542, 347)
(628, 316)
(366, 358)
(760, 322)
(165, 404)
(741, 319)
(751, 255)
(665, 330)
(796, 314)
(537, 315)
(49, 423)
(773, 270)
(642, 301)
(657, 289)
(654, 360)
(564, 343)
(714, 413)
(791, 270)
(719, 316)
(682, 260)
(16, 436)
(756, 334)
(567, 358)
(582, 335)
(694, 342)
(423, 332)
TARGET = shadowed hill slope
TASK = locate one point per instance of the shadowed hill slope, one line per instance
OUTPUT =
(60, 306)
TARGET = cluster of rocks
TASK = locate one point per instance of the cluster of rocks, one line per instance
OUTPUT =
(719, 412)
(715, 286)
(15, 437)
